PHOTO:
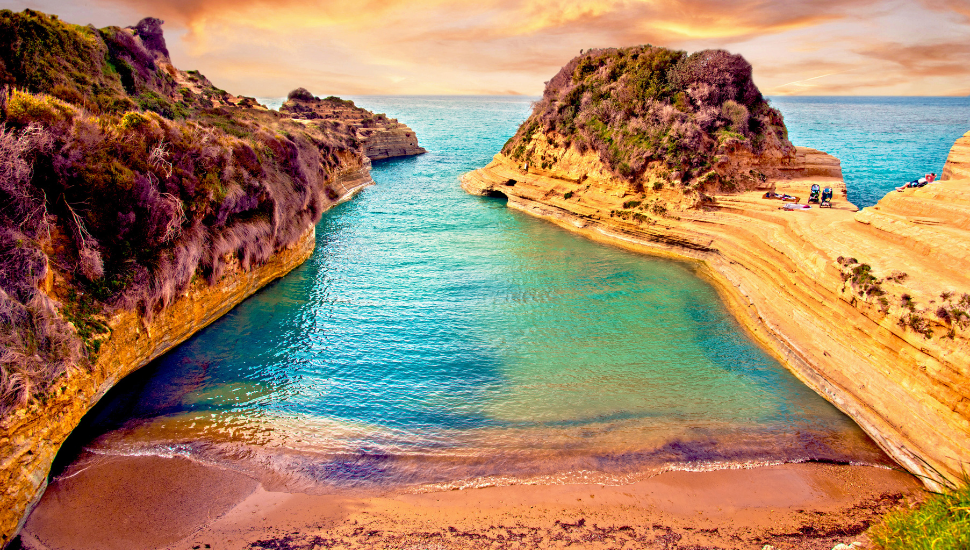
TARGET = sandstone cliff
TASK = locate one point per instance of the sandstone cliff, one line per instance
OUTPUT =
(666, 153)
(381, 137)
(654, 116)
(138, 203)
(957, 165)
(32, 435)
(867, 308)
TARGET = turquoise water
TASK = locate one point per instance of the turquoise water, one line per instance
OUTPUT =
(882, 142)
(440, 339)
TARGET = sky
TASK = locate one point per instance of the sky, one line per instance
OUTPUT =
(265, 48)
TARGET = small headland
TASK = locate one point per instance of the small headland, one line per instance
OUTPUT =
(138, 203)
(670, 154)
(381, 137)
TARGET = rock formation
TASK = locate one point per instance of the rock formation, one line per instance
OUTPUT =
(870, 309)
(654, 116)
(138, 203)
(382, 137)
(149, 30)
(957, 165)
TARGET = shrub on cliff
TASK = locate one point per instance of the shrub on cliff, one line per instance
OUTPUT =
(36, 345)
(301, 94)
(648, 107)
(127, 184)
(942, 522)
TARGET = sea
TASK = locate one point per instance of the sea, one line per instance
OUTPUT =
(437, 340)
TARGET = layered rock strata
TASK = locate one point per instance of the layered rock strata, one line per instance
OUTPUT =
(143, 204)
(957, 165)
(381, 137)
(32, 436)
(866, 308)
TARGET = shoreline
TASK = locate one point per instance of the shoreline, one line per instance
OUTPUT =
(30, 440)
(778, 275)
(111, 503)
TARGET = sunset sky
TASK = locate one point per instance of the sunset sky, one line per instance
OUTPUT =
(345, 47)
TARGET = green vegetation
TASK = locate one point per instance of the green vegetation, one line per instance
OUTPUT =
(85, 313)
(129, 183)
(954, 311)
(638, 106)
(940, 523)
(860, 277)
(40, 53)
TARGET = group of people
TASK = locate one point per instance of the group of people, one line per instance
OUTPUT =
(928, 178)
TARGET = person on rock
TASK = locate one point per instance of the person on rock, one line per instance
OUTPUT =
(928, 178)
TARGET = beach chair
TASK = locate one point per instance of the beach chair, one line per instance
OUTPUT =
(814, 196)
(826, 198)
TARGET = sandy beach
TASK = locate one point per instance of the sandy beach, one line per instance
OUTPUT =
(152, 502)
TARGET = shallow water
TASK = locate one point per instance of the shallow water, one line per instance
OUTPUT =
(439, 339)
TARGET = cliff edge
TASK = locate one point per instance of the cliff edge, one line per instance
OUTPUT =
(381, 137)
(957, 165)
(870, 309)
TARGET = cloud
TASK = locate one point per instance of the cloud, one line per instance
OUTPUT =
(924, 60)
(455, 46)
(961, 8)
(504, 18)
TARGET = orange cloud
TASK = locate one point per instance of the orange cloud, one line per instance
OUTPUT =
(263, 47)
(951, 7)
(925, 60)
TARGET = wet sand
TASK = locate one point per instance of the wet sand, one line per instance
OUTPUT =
(151, 502)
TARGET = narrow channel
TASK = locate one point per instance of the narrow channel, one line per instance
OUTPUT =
(437, 339)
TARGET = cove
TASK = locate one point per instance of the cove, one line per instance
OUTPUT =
(443, 340)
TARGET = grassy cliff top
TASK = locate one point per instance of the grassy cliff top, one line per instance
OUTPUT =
(122, 179)
(649, 108)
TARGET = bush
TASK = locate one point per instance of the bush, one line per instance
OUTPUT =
(21, 204)
(24, 108)
(134, 193)
(737, 114)
(955, 313)
(638, 105)
(151, 101)
(940, 523)
(132, 121)
(301, 94)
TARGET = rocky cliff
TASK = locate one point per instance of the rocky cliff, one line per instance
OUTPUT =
(657, 117)
(138, 203)
(679, 155)
(381, 137)
(31, 437)
(957, 165)
(867, 308)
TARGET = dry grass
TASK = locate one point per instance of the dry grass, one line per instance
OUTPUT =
(133, 187)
